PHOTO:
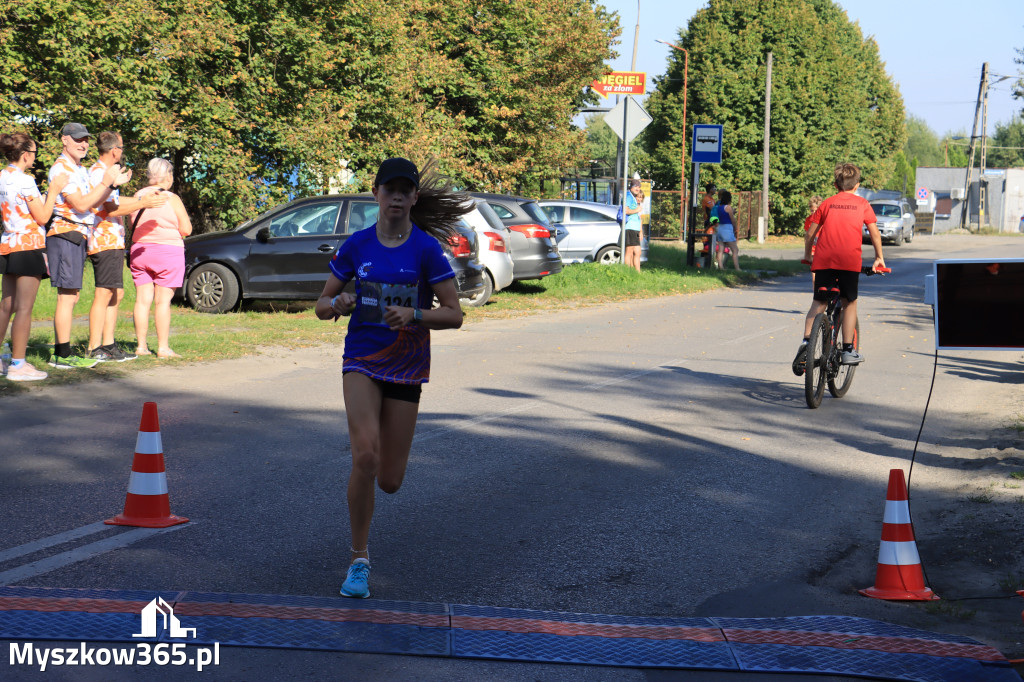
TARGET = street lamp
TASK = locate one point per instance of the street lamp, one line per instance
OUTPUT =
(682, 162)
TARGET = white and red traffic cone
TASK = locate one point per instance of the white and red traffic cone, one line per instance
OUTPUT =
(147, 504)
(899, 575)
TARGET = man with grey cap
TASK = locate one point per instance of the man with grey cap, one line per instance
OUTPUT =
(66, 240)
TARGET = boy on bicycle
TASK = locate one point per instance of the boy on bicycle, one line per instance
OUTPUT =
(836, 225)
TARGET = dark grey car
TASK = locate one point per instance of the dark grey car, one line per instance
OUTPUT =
(284, 253)
(534, 246)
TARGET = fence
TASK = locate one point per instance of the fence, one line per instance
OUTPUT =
(665, 224)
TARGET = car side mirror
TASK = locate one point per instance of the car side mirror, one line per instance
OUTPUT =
(263, 235)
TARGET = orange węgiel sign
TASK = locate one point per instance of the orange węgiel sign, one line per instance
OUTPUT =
(621, 83)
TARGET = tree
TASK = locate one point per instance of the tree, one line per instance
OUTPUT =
(922, 147)
(1006, 148)
(259, 101)
(832, 101)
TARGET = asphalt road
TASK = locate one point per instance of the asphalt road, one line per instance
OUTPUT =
(650, 457)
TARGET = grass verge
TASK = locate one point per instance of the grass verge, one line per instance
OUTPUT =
(199, 337)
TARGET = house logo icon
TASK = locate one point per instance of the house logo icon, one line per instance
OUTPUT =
(171, 623)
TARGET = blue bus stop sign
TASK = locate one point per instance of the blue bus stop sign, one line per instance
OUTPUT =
(707, 144)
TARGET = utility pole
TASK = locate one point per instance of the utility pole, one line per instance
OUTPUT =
(625, 147)
(762, 224)
(982, 90)
(982, 181)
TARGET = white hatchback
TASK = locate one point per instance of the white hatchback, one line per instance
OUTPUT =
(495, 251)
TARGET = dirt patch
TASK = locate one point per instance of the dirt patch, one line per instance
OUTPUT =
(967, 502)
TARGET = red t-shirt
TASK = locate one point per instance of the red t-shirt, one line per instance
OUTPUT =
(839, 236)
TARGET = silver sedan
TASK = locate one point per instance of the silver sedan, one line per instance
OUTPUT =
(587, 231)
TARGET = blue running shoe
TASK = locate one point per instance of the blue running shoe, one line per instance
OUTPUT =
(357, 584)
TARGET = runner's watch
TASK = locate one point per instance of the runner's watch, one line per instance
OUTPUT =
(417, 315)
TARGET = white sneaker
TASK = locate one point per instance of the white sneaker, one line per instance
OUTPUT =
(852, 357)
(25, 373)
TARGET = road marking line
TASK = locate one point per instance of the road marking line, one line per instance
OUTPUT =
(755, 335)
(78, 554)
(53, 540)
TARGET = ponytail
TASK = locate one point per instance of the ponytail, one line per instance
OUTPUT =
(440, 207)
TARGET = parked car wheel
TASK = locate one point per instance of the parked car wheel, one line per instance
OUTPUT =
(609, 255)
(483, 295)
(910, 235)
(212, 288)
(898, 239)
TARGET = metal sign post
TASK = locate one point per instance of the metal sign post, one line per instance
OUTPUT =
(707, 148)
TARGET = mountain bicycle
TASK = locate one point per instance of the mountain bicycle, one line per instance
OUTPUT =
(824, 364)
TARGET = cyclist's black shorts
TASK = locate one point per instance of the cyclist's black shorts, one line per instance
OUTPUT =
(845, 280)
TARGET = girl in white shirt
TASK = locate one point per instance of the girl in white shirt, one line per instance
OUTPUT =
(22, 247)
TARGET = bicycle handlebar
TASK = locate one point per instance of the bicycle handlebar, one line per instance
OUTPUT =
(867, 269)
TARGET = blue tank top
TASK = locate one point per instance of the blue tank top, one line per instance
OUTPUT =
(723, 217)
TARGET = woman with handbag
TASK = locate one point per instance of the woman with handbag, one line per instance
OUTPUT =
(158, 258)
(398, 267)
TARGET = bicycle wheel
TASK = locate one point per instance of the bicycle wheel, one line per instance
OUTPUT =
(817, 361)
(839, 384)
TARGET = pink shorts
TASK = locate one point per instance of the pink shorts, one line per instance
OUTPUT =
(161, 264)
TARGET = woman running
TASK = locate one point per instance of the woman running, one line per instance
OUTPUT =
(398, 267)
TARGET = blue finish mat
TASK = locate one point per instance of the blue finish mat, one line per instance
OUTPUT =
(818, 644)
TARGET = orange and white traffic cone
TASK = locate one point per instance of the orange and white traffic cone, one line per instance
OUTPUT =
(899, 575)
(147, 504)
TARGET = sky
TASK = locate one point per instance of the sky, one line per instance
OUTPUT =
(930, 50)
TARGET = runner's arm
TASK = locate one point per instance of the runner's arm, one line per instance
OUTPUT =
(333, 302)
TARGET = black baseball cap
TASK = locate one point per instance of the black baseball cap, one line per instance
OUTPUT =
(75, 130)
(395, 168)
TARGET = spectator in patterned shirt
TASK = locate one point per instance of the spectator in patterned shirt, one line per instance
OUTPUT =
(22, 247)
(66, 247)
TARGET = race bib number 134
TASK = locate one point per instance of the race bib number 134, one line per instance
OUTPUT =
(377, 296)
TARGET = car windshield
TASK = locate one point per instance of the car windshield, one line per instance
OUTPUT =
(886, 210)
(534, 210)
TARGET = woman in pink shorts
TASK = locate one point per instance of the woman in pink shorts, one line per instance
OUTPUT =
(158, 258)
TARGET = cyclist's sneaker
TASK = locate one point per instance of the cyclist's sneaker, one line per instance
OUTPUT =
(25, 373)
(800, 361)
(357, 584)
(72, 362)
(119, 355)
(852, 357)
(101, 354)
